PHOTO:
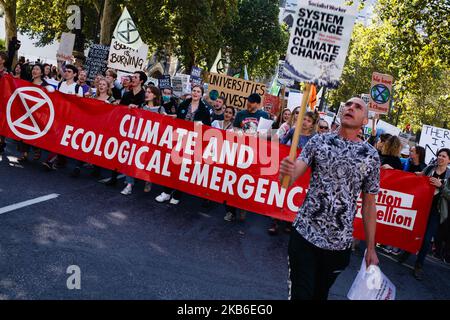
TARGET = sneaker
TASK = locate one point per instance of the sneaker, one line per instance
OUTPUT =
(163, 197)
(174, 201)
(148, 187)
(229, 216)
(76, 172)
(418, 273)
(127, 190)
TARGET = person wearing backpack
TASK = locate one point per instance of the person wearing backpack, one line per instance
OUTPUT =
(67, 86)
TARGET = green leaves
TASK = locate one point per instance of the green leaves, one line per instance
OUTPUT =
(409, 40)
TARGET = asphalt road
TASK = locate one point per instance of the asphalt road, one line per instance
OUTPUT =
(131, 247)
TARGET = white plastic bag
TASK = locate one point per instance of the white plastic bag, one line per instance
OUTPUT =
(371, 284)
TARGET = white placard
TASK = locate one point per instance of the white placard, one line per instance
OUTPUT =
(387, 128)
(126, 31)
(125, 58)
(294, 100)
(319, 41)
(66, 45)
(433, 139)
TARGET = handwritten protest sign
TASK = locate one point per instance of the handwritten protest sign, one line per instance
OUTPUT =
(180, 84)
(319, 41)
(433, 139)
(97, 61)
(125, 58)
(164, 82)
(380, 93)
(65, 49)
(234, 90)
(196, 75)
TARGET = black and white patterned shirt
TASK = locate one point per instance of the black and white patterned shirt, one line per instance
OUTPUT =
(341, 169)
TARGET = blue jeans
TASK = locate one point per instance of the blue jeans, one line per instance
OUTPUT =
(431, 231)
(129, 180)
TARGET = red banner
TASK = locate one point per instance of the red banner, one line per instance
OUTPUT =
(222, 166)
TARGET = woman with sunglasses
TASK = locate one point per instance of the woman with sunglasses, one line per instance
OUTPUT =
(323, 127)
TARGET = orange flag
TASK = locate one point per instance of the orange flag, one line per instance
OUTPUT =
(313, 97)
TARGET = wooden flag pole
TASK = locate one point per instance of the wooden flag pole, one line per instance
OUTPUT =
(298, 129)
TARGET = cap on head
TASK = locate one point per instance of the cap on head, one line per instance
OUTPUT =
(254, 97)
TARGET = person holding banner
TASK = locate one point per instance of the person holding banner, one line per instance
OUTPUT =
(3, 71)
(289, 119)
(247, 120)
(217, 112)
(37, 78)
(133, 98)
(308, 130)
(68, 86)
(342, 166)
(192, 109)
(169, 102)
(227, 122)
(111, 76)
(152, 104)
(439, 174)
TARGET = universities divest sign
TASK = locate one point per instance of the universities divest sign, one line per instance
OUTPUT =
(235, 90)
(240, 169)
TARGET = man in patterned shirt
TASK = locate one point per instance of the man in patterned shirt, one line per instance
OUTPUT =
(342, 166)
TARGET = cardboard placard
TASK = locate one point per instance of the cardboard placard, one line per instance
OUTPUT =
(125, 58)
(380, 93)
(433, 139)
(97, 61)
(319, 41)
(65, 49)
(235, 90)
(164, 82)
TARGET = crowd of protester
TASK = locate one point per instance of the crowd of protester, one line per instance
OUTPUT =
(134, 91)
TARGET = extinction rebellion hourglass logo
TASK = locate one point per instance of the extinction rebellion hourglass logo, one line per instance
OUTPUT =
(30, 113)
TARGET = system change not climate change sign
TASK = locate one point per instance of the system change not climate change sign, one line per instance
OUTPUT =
(319, 41)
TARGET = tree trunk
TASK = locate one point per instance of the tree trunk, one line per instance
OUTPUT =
(10, 24)
(111, 12)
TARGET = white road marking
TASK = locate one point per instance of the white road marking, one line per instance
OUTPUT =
(27, 203)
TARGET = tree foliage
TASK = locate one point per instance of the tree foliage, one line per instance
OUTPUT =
(45, 20)
(255, 38)
(409, 40)
(194, 31)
